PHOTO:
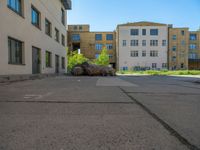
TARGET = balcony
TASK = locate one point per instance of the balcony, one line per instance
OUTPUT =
(67, 4)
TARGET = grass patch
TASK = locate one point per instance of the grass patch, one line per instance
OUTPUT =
(162, 72)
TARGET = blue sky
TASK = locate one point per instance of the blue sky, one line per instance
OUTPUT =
(104, 15)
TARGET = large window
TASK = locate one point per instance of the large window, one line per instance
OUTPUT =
(144, 32)
(154, 65)
(63, 62)
(174, 37)
(35, 17)
(124, 43)
(109, 46)
(99, 46)
(153, 31)
(98, 37)
(193, 56)
(47, 27)
(154, 53)
(154, 43)
(134, 42)
(164, 42)
(15, 5)
(144, 42)
(134, 31)
(63, 40)
(193, 37)
(134, 54)
(76, 37)
(63, 16)
(48, 59)
(109, 37)
(174, 48)
(15, 50)
(193, 46)
(143, 53)
(57, 35)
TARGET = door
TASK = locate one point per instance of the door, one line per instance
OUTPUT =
(35, 60)
(57, 64)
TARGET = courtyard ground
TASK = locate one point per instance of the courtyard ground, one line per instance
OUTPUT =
(95, 113)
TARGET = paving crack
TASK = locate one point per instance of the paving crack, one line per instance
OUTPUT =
(171, 130)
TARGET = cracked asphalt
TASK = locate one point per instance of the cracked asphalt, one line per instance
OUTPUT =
(95, 113)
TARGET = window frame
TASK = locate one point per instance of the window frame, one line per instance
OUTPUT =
(39, 17)
(49, 33)
(49, 63)
(57, 35)
(21, 12)
(100, 37)
(152, 33)
(10, 50)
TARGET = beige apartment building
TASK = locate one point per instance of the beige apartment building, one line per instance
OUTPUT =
(91, 43)
(142, 45)
(32, 36)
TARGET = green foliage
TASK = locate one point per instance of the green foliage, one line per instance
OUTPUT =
(75, 59)
(103, 59)
(162, 72)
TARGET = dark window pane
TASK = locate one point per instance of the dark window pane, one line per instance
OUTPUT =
(153, 31)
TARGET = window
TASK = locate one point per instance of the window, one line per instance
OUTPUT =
(182, 32)
(173, 58)
(76, 37)
(15, 50)
(63, 40)
(75, 28)
(110, 56)
(134, 43)
(144, 32)
(143, 42)
(193, 37)
(80, 28)
(134, 53)
(134, 31)
(193, 46)
(183, 43)
(35, 17)
(154, 65)
(124, 68)
(153, 31)
(164, 42)
(98, 37)
(124, 43)
(57, 35)
(15, 5)
(154, 53)
(96, 56)
(193, 56)
(109, 37)
(164, 65)
(154, 43)
(48, 59)
(143, 53)
(99, 46)
(109, 46)
(174, 37)
(63, 16)
(63, 62)
(174, 48)
(182, 65)
(47, 27)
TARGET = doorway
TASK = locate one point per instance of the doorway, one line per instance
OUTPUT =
(36, 62)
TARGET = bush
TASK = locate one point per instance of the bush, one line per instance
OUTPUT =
(75, 59)
(103, 59)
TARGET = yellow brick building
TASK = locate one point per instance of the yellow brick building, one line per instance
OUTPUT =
(91, 43)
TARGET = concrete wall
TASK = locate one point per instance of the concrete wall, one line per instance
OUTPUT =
(20, 28)
(123, 53)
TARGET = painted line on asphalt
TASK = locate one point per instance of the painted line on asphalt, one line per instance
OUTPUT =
(172, 131)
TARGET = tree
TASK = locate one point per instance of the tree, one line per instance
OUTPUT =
(75, 59)
(103, 58)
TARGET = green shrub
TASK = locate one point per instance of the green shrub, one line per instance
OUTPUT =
(103, 59)
(75, 59)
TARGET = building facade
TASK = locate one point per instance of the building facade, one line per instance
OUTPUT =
(32, 36)
(142, 45)
(178, 48)
(91, 43)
